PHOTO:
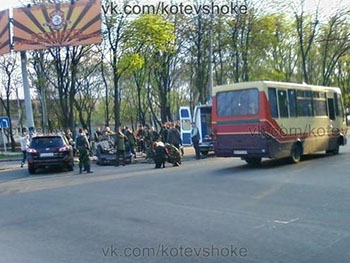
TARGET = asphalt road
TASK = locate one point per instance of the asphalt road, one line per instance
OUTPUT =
(209, 210)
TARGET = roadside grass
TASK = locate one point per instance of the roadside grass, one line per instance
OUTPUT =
(10, 156)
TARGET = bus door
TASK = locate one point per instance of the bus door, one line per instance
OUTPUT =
(185, 124)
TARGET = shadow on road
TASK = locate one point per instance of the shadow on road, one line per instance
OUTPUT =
(275, 164)
(23, 173)
(49, 171)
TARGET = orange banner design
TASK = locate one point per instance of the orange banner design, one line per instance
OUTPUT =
(4, 32)
(55, 25)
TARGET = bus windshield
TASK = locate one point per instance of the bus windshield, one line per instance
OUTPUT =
(237, 102)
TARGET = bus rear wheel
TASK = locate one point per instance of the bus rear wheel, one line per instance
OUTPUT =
(254, 161)
(296, 153)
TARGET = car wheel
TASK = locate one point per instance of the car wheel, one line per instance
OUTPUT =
(204, 152)
(31, 169)
(70, 167)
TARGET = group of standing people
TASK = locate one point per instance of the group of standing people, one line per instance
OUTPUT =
(169, 136)
(144, 139)
(85, 147)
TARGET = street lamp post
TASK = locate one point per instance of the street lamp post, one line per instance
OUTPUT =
(27, 97)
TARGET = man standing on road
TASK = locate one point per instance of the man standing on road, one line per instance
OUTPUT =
(195, 137)
(24, 145)
(131, 140)
(119, 142)
(83, 146)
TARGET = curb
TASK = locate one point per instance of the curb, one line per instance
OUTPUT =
(11, 160)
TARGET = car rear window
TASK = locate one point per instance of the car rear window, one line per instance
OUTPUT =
(46, 142)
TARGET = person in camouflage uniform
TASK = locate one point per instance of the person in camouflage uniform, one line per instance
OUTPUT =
(119, 141)
(83, 146)
(131, 140)
(174, 154)
(148, 142)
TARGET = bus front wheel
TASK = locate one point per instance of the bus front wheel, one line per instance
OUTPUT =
(334, 151)
(296, 153)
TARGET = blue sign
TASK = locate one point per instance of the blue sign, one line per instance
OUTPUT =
(4, 122)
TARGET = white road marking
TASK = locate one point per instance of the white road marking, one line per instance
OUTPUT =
(286, 222)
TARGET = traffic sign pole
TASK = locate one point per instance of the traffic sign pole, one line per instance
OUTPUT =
(3, 136)
(4, 124)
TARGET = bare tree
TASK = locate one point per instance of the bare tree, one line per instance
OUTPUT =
(306, 27)
(8, 66)
(334, 43)
(66, 63)
(115, 25)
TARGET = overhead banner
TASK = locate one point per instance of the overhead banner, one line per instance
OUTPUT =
(55, 25)
(4, 32)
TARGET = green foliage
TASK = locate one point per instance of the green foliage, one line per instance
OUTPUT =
(151, 32)
(131, 62)
(264, 32)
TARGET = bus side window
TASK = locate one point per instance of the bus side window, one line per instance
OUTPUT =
(338, 105)
(273, 102)
(292, 100)
(331, 108)
(283, 103)
(341, 107)
(304, 102)
(319, 104)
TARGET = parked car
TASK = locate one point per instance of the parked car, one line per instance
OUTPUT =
(49, 151)
(106, 152)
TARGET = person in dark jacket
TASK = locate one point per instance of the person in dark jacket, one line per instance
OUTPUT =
(164, 133)
(131, 140)
(195, 137)
(97, 135)
(140, 137)
(174, 137)
(160, 155)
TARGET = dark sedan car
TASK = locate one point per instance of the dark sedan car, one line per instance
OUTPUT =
(49, 151)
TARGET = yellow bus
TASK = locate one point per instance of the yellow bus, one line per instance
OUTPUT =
(267, 119)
